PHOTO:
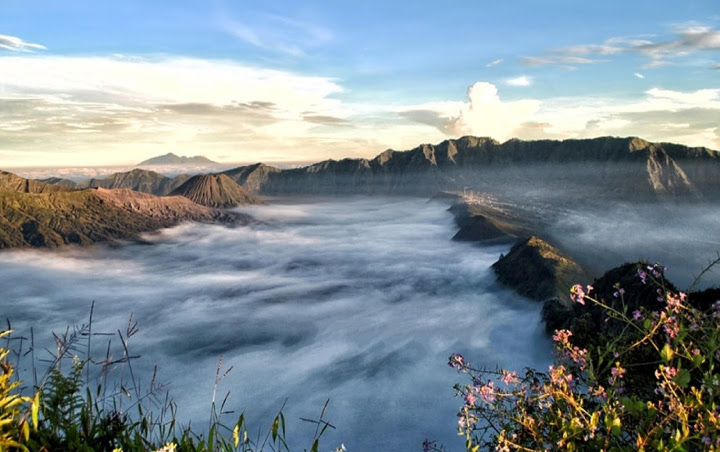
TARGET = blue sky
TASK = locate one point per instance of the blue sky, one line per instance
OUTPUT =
(93, 83)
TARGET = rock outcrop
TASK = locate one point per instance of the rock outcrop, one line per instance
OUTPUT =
(537, 270)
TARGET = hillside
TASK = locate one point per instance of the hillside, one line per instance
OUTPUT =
(50, 218)
(139, 180)
(215, 190)
(172, 159)
(252, 177)
(20, 184)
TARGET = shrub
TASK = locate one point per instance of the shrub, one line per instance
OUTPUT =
(652, 385)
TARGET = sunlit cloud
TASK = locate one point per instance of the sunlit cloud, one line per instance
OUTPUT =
(639, 75)
(494, 62)
(661, 115)
(523, 80)
(15, 44)
(685, 40)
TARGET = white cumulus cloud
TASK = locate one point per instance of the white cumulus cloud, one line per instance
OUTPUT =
(523, 80)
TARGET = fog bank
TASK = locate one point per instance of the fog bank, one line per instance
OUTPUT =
(356, 300)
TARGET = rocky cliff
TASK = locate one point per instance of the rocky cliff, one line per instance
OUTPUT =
(252, 177)
(601, 167)
(537, 270)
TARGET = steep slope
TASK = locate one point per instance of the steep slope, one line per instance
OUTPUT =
(601, 167)
(20, 184)
(251, 177)
(172, 159)
(139, 180)
(84, 217)
(67, 183)
(215, 190)
(537, 270)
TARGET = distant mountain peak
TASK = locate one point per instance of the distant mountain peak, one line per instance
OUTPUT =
(173, 159)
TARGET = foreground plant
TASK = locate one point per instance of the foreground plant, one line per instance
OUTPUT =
(653, 384)
(76, 406)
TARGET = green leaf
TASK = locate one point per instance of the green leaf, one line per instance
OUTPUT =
(315, 445)
(682, 378)
(698, 359)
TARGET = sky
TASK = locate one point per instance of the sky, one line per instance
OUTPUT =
(113, 83)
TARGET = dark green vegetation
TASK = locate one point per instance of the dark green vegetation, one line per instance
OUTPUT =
(93, 404)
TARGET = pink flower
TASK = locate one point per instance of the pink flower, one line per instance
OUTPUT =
(637, 315)
(577, 294)
(470, 398)
(509, 377)
(562, 336)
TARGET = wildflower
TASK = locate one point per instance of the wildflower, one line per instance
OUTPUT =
(169, 447)
(456, 361)
(642, 275)
(577, 294)
(470, 399)
(578, 356)
(562, 336)
(341, 448)
(487, 392)
(558, 377)
(616, 373)
(671, 327)
(509, 377)
(637, 315)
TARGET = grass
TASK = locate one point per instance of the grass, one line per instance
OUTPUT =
(77, 403)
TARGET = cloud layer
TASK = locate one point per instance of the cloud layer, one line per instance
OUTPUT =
(685, 40)
(326, 300)
(15, 44)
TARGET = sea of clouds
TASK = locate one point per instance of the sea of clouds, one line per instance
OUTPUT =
(355, 300)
